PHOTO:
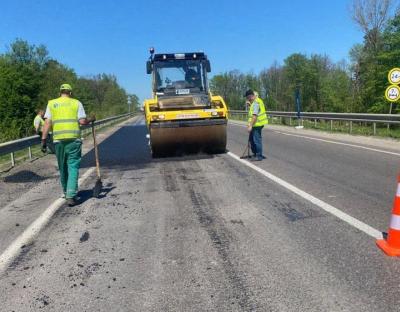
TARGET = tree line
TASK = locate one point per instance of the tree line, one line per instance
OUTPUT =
(29, 77)
(326, 86)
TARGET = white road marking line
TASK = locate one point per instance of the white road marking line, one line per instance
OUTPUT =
(367, 229)
(27, 236)
(339, 143)
(328, 141)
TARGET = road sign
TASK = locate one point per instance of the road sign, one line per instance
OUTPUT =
(394, 76)
(393, 93)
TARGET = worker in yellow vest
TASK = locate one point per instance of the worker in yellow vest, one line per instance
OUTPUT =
(257, 119)
(65, 114)
(38, 122)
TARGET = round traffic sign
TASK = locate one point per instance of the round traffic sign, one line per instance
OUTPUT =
(393, 93)
(394, 76)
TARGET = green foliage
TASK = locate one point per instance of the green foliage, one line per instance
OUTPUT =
(232, 87)
(371, 65)
(29, 78)
(323, 86)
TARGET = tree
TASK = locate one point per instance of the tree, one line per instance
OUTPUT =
(372, 60)
(323, 85)
(371, 16)
(29, 77)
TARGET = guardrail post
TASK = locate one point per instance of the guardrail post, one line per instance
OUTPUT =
(12, 160)
(290, 121)
(331, 124)
(351, 126)
(30, 153)
(315, 123)
(374, 127)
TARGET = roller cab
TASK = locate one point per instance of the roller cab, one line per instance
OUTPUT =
(183, 116)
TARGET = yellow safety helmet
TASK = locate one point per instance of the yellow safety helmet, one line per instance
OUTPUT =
(65, 86)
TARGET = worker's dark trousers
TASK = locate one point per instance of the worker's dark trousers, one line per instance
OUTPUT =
(68, 154)
(256, 142)
(50, 145)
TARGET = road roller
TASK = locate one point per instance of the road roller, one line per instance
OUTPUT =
(183, 116)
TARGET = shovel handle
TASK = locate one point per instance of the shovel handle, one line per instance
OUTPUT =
(96, 152)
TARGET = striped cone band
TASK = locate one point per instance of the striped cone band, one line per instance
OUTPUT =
(395, 222)
(398, 190)
(396, 204)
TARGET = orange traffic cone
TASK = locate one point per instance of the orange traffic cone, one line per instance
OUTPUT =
(391, 246)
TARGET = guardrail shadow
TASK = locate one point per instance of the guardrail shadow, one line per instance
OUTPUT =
(24, 176)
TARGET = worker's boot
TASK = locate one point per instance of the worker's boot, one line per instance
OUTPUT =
(72, 202)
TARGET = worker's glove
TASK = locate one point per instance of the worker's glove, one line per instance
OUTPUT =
(44, 146)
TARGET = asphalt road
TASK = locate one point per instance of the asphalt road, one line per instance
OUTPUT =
(206, 233)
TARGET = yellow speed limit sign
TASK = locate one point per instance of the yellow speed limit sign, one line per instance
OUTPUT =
(393, 93)
(394, 76)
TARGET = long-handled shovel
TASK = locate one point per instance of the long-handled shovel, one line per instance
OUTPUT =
(247, 149)
(99, 185)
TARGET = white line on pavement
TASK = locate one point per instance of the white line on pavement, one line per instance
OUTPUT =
(339, 143)
(327, 141)
(34, 228)
(323, 205)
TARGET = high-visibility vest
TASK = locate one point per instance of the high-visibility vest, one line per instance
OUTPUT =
(262, 118)
(64, 118)
(41, 122)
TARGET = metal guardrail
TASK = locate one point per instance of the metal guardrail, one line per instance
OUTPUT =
(374, 119)
(13, 146)
(378, 118)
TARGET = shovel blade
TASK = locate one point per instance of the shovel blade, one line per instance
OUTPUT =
(97, 188)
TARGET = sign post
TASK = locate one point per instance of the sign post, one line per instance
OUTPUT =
(298, 108)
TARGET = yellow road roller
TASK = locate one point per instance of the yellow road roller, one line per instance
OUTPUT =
(183, 116)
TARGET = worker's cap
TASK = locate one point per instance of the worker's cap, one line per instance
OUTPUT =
(65, 86)
(249, 92)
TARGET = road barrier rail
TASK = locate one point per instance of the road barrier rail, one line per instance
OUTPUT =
(373, 119)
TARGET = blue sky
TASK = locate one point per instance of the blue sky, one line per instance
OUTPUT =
(114, 36)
